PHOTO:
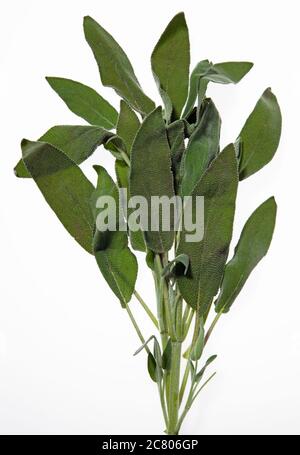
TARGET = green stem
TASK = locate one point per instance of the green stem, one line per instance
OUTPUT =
(137, 329)
(211, 328)
(173, 397)
(146, 308)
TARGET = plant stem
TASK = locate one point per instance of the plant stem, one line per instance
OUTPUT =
(211, 328)
(146, 308)
(173, 397)
(137, 329)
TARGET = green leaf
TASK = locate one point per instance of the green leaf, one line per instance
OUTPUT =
(221, 73)
(85, 102)
(199, 375)
(181, 259)
(252, 246)
(197, 350)
(77, 142)
(116, 262)
(218, 186)
(122, 172)
(203, 147)
(167, 356)
(150, 175)
(151, 363)
(128, 124)
(114, 67)
(170, 63)
(176, 136)
(64, 186)
(260, 135)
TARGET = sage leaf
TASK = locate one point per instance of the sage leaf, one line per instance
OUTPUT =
(85, 102)
(170, 63)
(200, 374)
(64, 186)
(151, 363)
(176, 137)
(208, 257)
(197, 349)
(205, 72)
(128, 124)
(114, 67)
(151, 175)
(202, 148)
(115, 260)
(77, 142)
(252, 246)
(260, 135)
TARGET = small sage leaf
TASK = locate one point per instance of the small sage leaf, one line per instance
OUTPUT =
(252, 246)
(170, 63)
(85, 102)
(260, 135)
(151, 363)
(197, 349)
(199, 375)
(114, 67)
(167, 356)
(180, 259)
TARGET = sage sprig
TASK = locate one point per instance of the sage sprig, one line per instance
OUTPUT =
(172, 154)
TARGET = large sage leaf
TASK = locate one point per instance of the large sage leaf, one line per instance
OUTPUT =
(260, 135)
(252, 246)
(77, 142)
(221, 73)
(85, 102)
(203, 147)
(114, 67)
(170, 63)
(116, 262)
(218, 186)
(64, 186)
(128, 124)
(151, 175)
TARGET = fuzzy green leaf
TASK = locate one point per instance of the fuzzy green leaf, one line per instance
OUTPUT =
(203, 147)
(77, 142)
(260, 135)
(205, 72)
(252, 246)
(128, 124)
(176, 136)
(150, 175)
(182, 259)
(170, 63)
(116, 262)
(85, 102)
(200, 374)
(64, 186)
(151, 363)
(167, 356)
(218, 186)
(114, 67)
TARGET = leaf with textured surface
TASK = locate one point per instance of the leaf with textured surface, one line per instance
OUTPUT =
(202, 148)
(260, 135)
(218, 186)
(151, 175)
(128, 124)
(77, 142)
(85, 102)
(176, 136)
(170, 63)
(116, 262)
(114, 67)
(221, 73)
(252, 246)
(64, 186)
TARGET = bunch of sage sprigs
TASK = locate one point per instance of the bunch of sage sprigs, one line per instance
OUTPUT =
(158, 151)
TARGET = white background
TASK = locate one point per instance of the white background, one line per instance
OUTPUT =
(66, 363)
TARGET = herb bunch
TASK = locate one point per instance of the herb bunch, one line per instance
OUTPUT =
(170, 151)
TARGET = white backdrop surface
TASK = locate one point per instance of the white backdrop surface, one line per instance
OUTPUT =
(66, 364)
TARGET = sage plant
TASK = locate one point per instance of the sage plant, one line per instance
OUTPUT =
(172, 154)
